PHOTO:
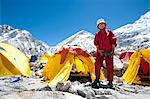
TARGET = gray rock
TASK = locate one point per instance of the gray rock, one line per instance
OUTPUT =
(40, 95)
(81, 93)
(103, 91)
(11, 84)
(72, 89)
(75, 86)
(20, 87)
(87, 84)
(47, 88)
(101, 97)
(89, 92)
(81, 90)
(63, 86)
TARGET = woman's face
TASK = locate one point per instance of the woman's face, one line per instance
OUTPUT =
(101, 25)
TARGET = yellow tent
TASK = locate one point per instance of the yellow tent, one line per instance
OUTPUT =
(12, 61)
(28, 57)
(44, 58)
(61, 64)
(131, 74)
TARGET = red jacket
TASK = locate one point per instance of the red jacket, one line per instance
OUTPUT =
(104, 40)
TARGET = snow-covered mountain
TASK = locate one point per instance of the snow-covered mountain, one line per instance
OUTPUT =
(135, 36)
(129, 37)
(22, 39)
(82, 39)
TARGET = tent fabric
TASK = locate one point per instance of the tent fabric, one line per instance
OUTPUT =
(59, 67)
(125, 56)
(144, 68)
(76, 51)
(44, 58)
(12, 61)
(28, 57)
(146, 55)
(55, 72)
(134, 64)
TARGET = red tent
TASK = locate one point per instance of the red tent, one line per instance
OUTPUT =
(75, 50)
(125, 56)
(144, 68)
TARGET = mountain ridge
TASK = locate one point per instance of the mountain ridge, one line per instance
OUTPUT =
(129, 37)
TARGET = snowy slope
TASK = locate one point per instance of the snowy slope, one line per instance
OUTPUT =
(129, 37)
(134, 36)
(82, 39)
(22, 39)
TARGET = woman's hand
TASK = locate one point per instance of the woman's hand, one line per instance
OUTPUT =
(100, 52)
(113, 49)
(113, 46)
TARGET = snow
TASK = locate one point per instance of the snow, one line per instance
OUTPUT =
(82, 39)
(118, 65)
(129, 37)
(33, 88)
(22, 39)
(134, 36)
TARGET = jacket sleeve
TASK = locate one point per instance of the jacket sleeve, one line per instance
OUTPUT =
(96, 40)
(113, 38)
